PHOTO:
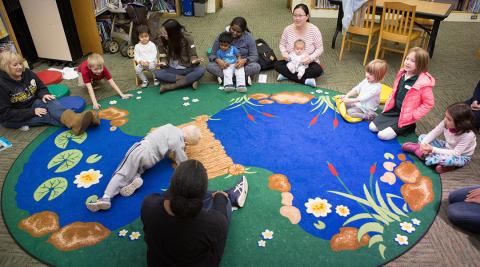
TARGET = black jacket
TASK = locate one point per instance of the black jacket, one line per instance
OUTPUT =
(17, 97)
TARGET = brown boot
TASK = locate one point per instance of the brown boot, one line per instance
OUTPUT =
(95, 118)
(179, 83)
(78, 123)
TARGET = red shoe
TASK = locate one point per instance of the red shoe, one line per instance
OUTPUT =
(443, 169)
(410, 147)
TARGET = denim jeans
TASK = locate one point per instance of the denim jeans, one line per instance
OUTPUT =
(208, 204)
(465, 215)
(54, 112)
(169, 74)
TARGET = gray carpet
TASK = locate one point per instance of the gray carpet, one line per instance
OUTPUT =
(454, 66)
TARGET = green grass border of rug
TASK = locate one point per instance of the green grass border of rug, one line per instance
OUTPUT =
(214, 105)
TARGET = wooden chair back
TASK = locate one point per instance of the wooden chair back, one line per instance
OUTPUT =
(363, 19)
(397, 21)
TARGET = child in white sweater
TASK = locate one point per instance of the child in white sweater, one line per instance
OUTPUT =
(363, 100)
(459, 130)
(145, 56)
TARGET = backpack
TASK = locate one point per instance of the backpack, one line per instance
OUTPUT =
(266, 56)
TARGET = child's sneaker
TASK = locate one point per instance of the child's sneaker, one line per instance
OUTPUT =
(156, 82)
(220, 80)
(311, 82)
(413, 148)
(144, 84)
(229, 88)
(241, 89)
(280, 77)
(238, 194)
(443, 169)
(99, 204)
(129, 189)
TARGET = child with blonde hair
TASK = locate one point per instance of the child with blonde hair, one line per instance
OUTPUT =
(459, 130)
(94, 69)
(142, 156)
(411, 99)
(363, 100)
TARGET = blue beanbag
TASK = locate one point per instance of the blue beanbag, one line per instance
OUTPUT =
(75, 103)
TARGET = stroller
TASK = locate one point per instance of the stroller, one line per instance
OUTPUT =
(125, 20)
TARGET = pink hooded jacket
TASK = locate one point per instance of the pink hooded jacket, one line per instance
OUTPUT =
(418, 101)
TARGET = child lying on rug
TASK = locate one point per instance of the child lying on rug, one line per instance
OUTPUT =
(459, 130)
(367, 92)
(144, 155)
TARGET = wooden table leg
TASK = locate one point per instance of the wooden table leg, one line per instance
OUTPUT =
(433, 37)
(339, 25)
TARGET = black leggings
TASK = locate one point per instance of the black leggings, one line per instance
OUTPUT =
(314, 70)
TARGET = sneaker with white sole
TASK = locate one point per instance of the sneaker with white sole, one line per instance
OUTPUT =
(220, 80)
(241, 89)
(156, 82)
(129, 189)
(238, 194)
(229, 88)
(311, 82)
(144, 84)
(24, 128)
(99, 204)
(280, 77)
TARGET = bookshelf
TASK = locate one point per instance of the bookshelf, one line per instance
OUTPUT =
(7, 35)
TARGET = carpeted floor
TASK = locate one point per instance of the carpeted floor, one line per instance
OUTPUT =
(454, 66)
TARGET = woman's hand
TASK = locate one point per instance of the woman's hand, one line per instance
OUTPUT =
(475, 105)
(306, 60)
(126, 96)
(39, 112)
(473, 196)
(47, 97)
(285, 57)
(197, 61)
(426, 149)
(219, 192)
(162, 65)
(240, 63)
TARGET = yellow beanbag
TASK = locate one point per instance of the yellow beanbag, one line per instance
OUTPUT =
(385, 93)
(343, 110)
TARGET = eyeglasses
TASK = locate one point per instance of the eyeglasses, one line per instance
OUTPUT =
(298, 16)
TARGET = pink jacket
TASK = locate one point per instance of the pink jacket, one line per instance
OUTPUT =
(418, 101)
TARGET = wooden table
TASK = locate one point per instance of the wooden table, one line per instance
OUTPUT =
(428, 10)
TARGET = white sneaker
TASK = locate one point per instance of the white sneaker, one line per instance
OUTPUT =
(220, 80)
(129, 189)
(238, 194)
(24, 128)
(144, 84)
(311, 82)
(100, 204)
(280, 77)
(156, 82)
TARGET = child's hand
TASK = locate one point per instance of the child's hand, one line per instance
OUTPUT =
(126, 96)
(96, 105)
(426, 149)
(144, 63)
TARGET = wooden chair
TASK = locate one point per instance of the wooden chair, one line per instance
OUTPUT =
(363, 24)
(425, 26)
(397, 26)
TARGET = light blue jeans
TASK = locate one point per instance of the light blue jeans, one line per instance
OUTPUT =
(444, 160)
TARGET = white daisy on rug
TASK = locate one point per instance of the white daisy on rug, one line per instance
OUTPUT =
(262, 243)
(134, 235)
(139, 97)
(185, 98)
(87, 178)
(186, 104)
(123, 232)
(112, 102)
(407, 227)
(195, 100)
(401, 240)
(318, 207)
(267, 234)
(416, 221)
(139, 92)
(342, 210)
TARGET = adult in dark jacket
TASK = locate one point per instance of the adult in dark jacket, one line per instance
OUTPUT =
(464, 208)
(244, 42)
(25, 100)
(188, 226)
(178, 58)
(474, 104)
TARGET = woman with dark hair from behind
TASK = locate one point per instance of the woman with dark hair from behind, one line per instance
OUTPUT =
(187, 226)
(179, 62)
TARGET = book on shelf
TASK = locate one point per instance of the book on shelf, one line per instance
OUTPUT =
(324, 4)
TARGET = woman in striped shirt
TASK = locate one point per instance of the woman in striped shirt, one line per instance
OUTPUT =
(302, 29)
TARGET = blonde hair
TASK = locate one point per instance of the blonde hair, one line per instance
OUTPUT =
(95, 60)
(7, 57)
(421, 59)
(377, 68)
(191, 134)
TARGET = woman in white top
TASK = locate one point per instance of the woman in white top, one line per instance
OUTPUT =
(459, 130)
(301, 28)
